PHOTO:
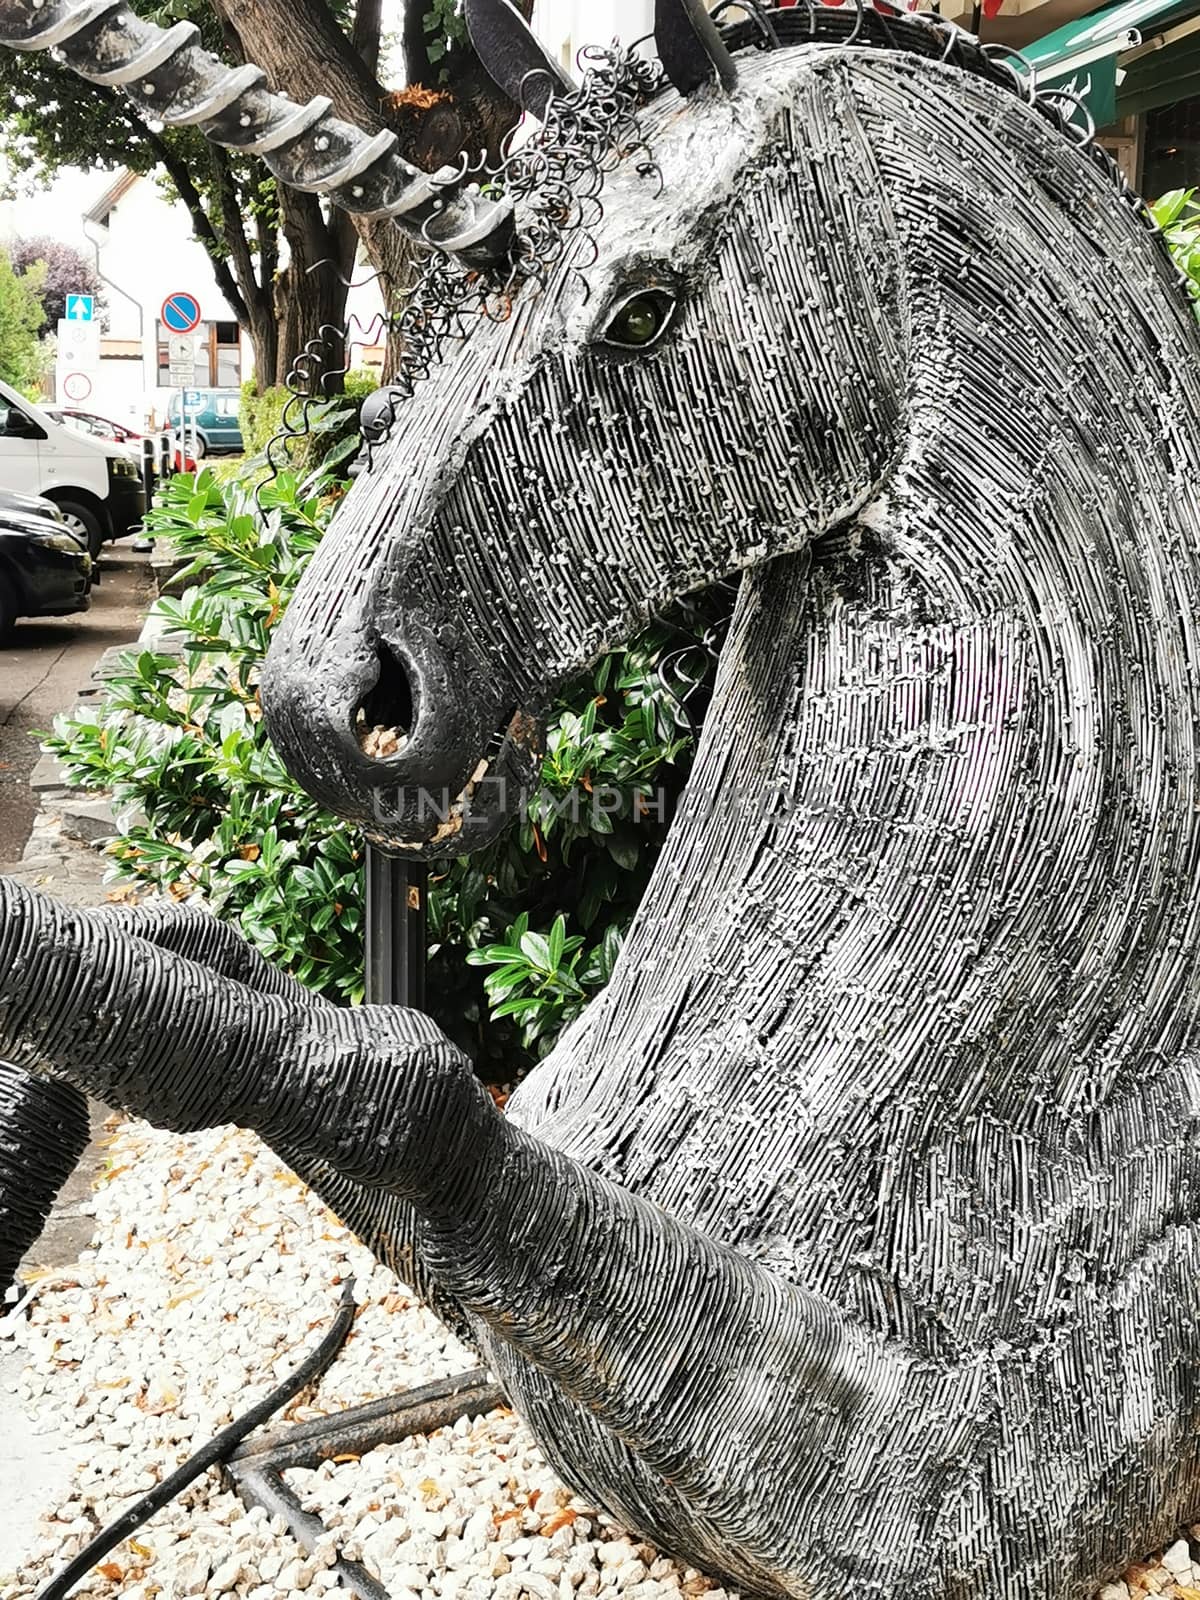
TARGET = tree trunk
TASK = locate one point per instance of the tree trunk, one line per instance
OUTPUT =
(264, 338)
(302, 50)
(310, 298)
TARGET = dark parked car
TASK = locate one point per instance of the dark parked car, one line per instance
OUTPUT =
(45, 569)
(215, 416)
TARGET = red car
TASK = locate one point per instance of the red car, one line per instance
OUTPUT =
(102, 428)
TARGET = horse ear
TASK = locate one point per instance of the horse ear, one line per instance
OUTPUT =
(514, 57)
(689, 46)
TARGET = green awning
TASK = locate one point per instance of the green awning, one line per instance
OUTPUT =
(1086, 57)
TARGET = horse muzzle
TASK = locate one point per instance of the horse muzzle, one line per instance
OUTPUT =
(411, 737)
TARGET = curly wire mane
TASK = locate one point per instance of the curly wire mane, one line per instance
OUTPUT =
(557, 177)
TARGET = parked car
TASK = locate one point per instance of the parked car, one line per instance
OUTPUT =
(218, 428)
(96, 484)
(45, 568)
(101, 428)
(90, 422)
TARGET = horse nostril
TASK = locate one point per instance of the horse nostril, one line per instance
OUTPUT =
(386, 715)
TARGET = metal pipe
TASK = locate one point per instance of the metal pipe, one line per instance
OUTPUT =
(255, 1470)
(397, 906)
(362, 1428)
(263, 1486)
(212, 1454)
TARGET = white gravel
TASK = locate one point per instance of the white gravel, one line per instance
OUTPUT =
(212, 1272)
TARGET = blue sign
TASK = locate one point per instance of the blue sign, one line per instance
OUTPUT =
(193, 400)
(181, 313)
(81, 308)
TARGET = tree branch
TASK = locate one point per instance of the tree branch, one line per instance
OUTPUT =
(268, 247)
(234, 231)
(366, 33)
(176, 170)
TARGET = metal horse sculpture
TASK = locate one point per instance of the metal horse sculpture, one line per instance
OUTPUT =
(850, 1245)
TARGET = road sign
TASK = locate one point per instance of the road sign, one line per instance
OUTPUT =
(77, 360)
(181, 348)
(78, 344)
(193, 401)
(81, 308)
(181, 376)
(180, 312)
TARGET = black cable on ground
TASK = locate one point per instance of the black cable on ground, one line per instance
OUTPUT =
(214, 1452)
(258, 1467)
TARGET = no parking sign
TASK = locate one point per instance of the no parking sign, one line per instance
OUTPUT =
(181, 312)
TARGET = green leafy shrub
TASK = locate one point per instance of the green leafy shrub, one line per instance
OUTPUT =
(1178, 215)
(178, 738)
(522, 934)
(334, 422)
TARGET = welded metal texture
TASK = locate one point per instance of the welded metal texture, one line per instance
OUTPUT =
(43, 1133)
(515, 58)
(848, 1245)
(690, 48)
(168, 75)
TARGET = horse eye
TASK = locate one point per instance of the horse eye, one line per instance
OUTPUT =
(640, 320)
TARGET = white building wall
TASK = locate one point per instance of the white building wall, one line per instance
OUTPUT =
(567, 25)
(146, 252)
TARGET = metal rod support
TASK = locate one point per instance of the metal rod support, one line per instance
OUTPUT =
(397, 893)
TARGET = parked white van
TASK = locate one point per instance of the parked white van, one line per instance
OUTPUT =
(96, 483)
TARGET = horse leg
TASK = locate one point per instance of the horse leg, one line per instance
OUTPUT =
(44, 1120)
(685, 1351)
(43, 1133)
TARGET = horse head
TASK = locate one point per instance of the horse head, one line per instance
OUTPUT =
(696, 385)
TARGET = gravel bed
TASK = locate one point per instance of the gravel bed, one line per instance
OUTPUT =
(212, 1272)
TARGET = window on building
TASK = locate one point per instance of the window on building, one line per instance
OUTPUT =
(226, 355)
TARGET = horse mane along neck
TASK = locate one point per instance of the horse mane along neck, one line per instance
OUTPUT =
(925, 923)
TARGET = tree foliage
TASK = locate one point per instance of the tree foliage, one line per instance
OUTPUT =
(68, 271)
(21, 318)
(54, 120)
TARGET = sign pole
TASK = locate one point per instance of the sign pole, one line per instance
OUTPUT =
(180, 316)
(396, 927)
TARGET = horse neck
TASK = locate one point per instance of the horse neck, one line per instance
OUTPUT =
(943, 827)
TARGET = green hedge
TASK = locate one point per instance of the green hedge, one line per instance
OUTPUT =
(262, 418)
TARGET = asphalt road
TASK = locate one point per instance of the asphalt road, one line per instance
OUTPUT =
(43, 670)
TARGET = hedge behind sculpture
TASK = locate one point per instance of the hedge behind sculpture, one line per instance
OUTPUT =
(848, 1245)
